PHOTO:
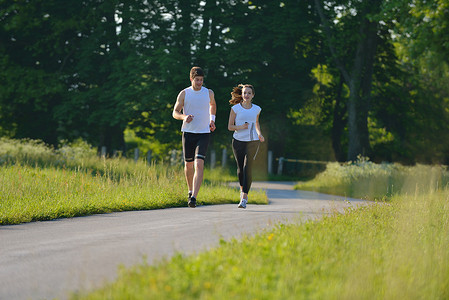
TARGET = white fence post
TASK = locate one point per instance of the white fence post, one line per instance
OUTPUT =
(224, 157)
(270, 162)
(280, 166)
(212, 159)
(103, 151)
(136, 154)
(149, 157)
(173, 157)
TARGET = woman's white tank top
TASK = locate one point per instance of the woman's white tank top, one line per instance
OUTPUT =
(242, 116)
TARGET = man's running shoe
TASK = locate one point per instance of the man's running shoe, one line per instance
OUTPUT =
(192, 202)
(242, 203)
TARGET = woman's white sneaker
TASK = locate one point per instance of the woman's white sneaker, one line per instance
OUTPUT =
(242, 203)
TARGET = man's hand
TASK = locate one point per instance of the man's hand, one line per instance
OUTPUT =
(188, 118)
(212, 125)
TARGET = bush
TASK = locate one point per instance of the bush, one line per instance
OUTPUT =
(365, 179)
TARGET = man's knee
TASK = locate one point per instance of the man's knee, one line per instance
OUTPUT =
(188, 165)
(199, 164)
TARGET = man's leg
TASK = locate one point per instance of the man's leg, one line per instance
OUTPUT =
(188, 148)
(203, 143)
(198, 177)
(189, 172)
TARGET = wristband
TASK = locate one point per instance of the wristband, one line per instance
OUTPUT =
(212, 118)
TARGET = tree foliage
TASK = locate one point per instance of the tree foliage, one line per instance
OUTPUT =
(334, 79)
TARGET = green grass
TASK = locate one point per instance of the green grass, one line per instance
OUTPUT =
(387, 250)
(371, 181)
(39, 183)
(383, 251)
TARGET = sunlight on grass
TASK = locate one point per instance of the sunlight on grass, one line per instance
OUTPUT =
(387, 250)
(383, 251)
(39, 183)
(42, 194)
(371, 181)
(395, 249)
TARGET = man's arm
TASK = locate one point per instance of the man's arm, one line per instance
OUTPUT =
(212, 110)
(177, 110)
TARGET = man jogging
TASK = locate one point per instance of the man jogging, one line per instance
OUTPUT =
(196, 107)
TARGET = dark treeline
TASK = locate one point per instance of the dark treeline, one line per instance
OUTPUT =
(335, 79)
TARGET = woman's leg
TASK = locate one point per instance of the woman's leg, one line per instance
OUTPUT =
(251, 149)
(239, 149)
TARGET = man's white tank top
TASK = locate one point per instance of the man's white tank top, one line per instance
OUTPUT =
(242, 116)
(196, 103)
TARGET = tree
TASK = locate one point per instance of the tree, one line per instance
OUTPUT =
(104, 84)
(33, 59)
(272, 46)
(417, 112)
(354, 27)
(75, 69)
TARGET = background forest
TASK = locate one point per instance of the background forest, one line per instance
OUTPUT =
(335, 79)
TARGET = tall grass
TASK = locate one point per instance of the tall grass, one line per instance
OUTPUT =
(31, 194)
(37, 153)
(382, 251)
(387, 250)
(40, 183)
(78, 156)
(368, 180)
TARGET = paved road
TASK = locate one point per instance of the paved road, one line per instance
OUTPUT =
(44, 260)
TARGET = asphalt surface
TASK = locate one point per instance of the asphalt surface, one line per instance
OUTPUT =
(47, 260)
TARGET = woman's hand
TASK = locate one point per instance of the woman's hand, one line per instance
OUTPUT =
(244, 126)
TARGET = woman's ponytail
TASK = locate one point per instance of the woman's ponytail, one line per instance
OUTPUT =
(236, 95)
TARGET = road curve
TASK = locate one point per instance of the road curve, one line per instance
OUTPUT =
(46, 260)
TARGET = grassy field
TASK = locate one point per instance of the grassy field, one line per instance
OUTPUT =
(388, 250)
(393, 249)
(367, 180)
(39, 183)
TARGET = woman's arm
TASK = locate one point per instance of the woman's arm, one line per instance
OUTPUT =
(259, 132)
(231, 123)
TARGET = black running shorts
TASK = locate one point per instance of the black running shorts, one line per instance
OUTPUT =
(194, 145)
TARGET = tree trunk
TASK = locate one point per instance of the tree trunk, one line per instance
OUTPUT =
(358, 80)
(360, 92)
(338, 123)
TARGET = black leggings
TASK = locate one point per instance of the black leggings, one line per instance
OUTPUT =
(244, 153)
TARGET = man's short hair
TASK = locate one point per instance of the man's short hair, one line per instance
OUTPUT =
(196, 71)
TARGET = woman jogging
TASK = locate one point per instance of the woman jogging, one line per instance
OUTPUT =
(244, 121)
